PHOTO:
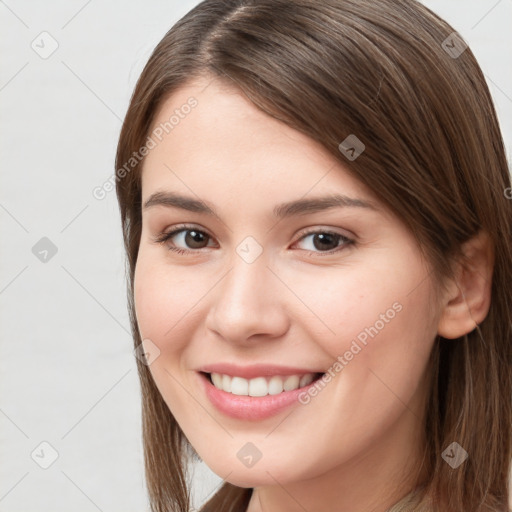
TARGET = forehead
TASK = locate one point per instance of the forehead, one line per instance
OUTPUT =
(225, 142)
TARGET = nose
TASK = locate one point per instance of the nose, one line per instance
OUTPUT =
(248, 302)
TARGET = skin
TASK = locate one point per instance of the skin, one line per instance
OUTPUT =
(357, 445)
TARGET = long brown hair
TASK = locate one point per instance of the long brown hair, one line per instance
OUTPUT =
(387, 72)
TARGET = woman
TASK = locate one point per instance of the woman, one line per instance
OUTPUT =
(314, 207)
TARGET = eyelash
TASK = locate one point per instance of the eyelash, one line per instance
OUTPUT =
(164, 237)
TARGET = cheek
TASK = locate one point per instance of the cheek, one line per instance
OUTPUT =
(346, 304)
(164, 300)
(376, 317)
(395, 331)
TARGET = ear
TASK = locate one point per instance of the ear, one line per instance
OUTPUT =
(468, 295)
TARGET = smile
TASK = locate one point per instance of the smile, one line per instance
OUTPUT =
(256, 398)
(261, 386)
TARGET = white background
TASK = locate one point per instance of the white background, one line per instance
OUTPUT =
(67, 373)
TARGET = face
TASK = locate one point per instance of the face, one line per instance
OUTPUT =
(268, 296)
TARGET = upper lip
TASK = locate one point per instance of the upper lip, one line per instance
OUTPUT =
(254, 370)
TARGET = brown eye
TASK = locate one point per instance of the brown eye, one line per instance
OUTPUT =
(194, 239)
(326, 242)
(189, 237)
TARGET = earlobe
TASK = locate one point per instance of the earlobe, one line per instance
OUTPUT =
(468, 297)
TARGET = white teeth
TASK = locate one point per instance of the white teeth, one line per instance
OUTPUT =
(258, 387)
(239, 386)
(226, 383)
(275, 386)
(217, 380)
(261, 386)
(292, 382)
(306, 379)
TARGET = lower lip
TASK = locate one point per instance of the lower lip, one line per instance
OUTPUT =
(252, 408)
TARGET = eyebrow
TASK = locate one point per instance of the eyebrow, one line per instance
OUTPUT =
(289, 209)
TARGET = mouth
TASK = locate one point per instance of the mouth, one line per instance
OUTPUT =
(258, 398)
(261, 386)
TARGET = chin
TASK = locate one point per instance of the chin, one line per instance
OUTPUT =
(247, 479)
(263, 473)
